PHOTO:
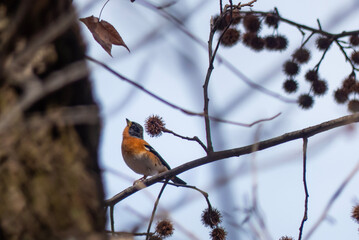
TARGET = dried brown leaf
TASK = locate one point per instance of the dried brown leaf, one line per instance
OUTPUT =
(104, 33)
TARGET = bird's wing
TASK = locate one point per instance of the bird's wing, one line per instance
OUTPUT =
(152, 150)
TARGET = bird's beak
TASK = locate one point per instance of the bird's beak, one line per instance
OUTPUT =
(128, 122)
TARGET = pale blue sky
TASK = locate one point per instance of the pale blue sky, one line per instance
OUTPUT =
(155, 64)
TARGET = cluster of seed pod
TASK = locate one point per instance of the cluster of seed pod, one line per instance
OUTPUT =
(212, 218)
(227, 25)
(252, 24)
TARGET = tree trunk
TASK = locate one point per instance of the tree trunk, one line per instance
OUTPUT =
(50, 182)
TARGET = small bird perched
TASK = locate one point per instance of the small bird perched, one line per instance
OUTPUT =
(140, 156)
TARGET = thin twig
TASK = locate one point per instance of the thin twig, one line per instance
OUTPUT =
(345, 55)
(219, 58)
(254, 170)
(195, 138)
(240, 5)
(249, 4)
(166, 5)
(126, 235)
(263, 230)
(319, 25)
(205, 194)
(236, 152)
(306, 40)
(155, 208)
(246, 124)
(305, 27)
(211, 56)
(112, 220)
(305, 216)
(332, 200)
(321, 59)
(188, 112)
(99, 16)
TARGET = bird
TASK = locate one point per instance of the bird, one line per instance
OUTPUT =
(140, 156)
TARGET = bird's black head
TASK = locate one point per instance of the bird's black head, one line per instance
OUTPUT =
(134, 129)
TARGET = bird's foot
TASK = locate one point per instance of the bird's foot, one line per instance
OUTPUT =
(139, 181)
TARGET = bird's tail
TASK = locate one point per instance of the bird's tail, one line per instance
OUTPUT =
(178, 180)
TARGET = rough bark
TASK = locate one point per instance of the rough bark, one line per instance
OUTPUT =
(50, 183)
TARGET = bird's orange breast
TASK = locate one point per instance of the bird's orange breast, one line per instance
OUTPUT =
(138, 158)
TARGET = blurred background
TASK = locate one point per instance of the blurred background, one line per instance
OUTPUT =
(169, 63)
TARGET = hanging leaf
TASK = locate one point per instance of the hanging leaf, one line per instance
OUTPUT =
(104, 33)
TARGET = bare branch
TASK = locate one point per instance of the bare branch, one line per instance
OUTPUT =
(204, 194)
(346, 55)
(219, 57)
(126, 235)
(240, 5)
(188, 112)
(245, 124)
(155, 208)
(305, 216)
(332, 200)
(195, 138)
(236, 152)
(305, 27)
(249, 4)
(316, 67)
(112, 219)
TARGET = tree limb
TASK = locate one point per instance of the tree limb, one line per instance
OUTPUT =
(235, 152)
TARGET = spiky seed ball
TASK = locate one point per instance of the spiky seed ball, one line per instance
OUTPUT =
(356, 87)
(349, 84)
(355, 213)
(211, 217)
(251, 23)
(301, 55)
(353, 106)
(323, 43)
(290, 86)
(282, 42)
(311, 76)
(220, 22)
(286, 238)
(319, 87)
(355, 57)
(250, 39)
(354, 40)
(164, 228)
(236, 17)
(271, 42)
(305, 101)
(257, 43)
(230, 37)
(340, 96)
(154, 125)
(247, 38)
(218, 233)
(272, 20)
(291, 68)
